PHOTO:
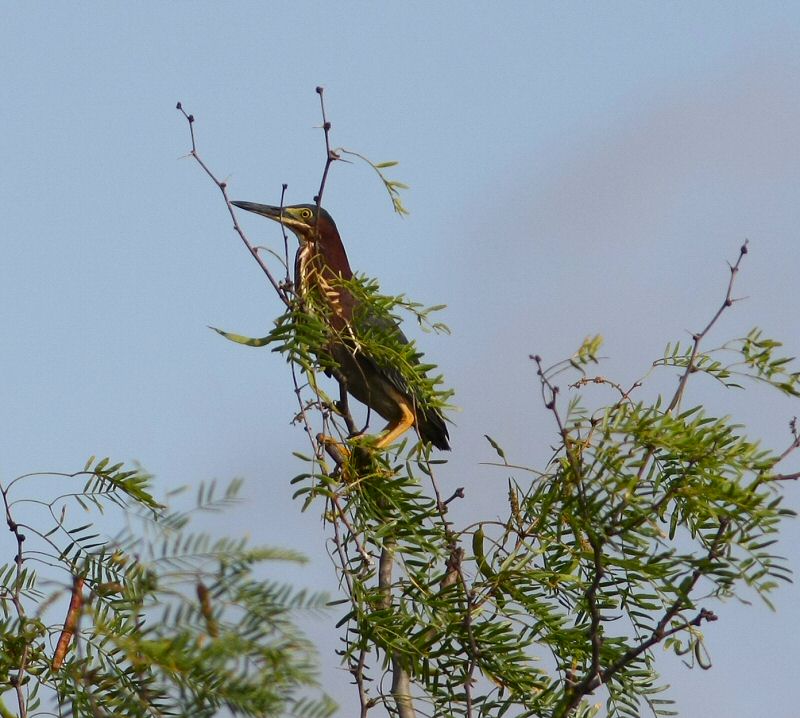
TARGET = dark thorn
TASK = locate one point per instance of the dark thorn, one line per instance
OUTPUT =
(179, 106)
(320, 89)
(284, 186)
(316, 198)
(191, 118)
(326, 126)
(223, 185)
(728, 302)
(20, 537)
(743, 249)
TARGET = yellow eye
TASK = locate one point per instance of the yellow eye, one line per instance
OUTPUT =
(305, 213)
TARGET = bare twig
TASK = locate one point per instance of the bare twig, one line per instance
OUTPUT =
(788, 450)
(330, 155)
(699, 336)
(358, 674)
(223, 187)
(457, 494)
(679, 392)
(624, 394)
(785, 477)
(16, 598)
(285, 234)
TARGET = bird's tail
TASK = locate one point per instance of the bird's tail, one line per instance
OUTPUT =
(432, 427)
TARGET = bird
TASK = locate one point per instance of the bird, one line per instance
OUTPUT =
(321, 261)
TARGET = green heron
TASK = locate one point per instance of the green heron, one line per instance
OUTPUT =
(321, 262)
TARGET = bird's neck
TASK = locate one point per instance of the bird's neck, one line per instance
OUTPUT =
(334, 255)
(325, 264)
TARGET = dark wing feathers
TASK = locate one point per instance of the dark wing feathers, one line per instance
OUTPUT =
(430, 422)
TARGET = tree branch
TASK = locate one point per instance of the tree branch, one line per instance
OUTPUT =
(659, 633)
(223, 187)
(401, 681)
(16, 598)
(698, 337)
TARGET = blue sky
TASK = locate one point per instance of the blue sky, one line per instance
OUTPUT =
(574, 169)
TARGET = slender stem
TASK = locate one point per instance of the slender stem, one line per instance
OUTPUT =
(698, 337)
(455, 573)
(16, 598)
(223, 187)
(330, 155)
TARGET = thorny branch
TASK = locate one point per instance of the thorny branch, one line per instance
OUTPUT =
(660, 632)
(596, 675)
(455, 573)
(795, 444)
(223, 187)
(549, 395)
(330, 155)
(699, 336)
(18, 680)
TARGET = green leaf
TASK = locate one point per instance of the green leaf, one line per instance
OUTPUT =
(240, 339)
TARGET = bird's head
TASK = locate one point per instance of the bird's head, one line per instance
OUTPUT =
(300, 218)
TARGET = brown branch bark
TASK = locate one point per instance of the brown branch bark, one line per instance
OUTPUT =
(401, 681)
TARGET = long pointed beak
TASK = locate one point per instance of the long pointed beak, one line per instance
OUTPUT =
(265, 210)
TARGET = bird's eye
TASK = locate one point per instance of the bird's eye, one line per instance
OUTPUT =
(306, 214)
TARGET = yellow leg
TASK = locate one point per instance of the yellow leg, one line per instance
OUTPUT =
(400, 427)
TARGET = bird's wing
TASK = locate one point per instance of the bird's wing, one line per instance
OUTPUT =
(387, 327)
(430, 421)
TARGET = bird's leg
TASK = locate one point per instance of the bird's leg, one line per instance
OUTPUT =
(342, 406)
(398, 428)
